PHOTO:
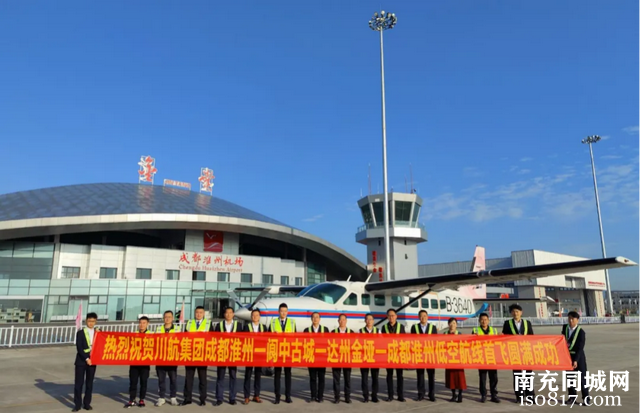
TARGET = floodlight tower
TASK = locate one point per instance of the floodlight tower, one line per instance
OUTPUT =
(380, 22)
(591, 140)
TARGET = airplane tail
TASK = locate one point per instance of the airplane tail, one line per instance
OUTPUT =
(477, 264)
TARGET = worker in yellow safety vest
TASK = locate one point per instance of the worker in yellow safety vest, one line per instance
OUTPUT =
(198, 325)
(393, 327)
(423, 327)
(483, 330)
(576, 338)
(282, 324)
(518, 326)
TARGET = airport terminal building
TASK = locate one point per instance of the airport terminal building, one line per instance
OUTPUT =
(581, 292)
(122, 250)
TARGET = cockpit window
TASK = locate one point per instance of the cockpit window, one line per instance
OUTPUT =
(306, 289)
(326, 292)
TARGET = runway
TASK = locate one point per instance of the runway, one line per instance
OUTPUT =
(40, 379)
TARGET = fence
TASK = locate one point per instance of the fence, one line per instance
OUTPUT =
(552, 321)
(38, 335)
(47, 335)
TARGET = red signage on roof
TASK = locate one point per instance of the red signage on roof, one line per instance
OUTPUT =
(213, 241)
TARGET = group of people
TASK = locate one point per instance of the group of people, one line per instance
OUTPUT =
(455, 379)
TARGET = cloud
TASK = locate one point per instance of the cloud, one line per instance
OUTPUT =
(526, 159)
(611, 157)
(564, 195)
(605, 137)
(313, 218)
(631, 130)
(471, 172)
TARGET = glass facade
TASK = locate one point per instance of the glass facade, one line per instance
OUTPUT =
(26, 260)
(115, 300)
(29, 294)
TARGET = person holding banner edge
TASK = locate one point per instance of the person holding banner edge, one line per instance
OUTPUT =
(576, 338)
(85, 369)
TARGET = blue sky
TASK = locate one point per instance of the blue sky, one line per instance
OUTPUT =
(488, 101)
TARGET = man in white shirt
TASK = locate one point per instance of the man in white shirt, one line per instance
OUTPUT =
(253, 327)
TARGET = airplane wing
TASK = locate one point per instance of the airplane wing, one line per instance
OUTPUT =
(276, 289)
(441, 282)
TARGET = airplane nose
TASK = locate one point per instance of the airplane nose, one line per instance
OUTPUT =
(244, 314)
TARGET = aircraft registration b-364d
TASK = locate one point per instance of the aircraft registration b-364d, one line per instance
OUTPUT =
(442, 296)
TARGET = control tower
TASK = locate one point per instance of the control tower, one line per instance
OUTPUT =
(405, 233)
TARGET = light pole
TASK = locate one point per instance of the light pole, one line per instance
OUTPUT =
(380, 22)
(591, 140)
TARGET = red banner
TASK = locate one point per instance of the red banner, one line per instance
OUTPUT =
(333, 350)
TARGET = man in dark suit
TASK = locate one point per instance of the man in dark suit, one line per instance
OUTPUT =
(576, 339)
(393, 327)
(425, 328)
(228, 325)
(518, 326)
(346, 371)
(85, 369)
(253, 327)
(316, 374)
(369, 328)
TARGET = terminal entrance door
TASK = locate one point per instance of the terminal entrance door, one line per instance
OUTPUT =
(215, 302)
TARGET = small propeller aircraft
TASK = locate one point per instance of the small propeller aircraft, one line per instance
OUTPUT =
(442, 296)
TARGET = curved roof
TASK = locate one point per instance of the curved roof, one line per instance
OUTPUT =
(128, 207)
(114, 198)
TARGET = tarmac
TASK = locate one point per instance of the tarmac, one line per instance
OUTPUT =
(40, 379)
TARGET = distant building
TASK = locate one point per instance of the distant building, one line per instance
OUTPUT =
(126, 249)
(625, 300)
(572, 292)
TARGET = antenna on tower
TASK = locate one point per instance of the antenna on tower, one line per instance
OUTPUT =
(369, 179)
(406, 188)
(411, 172)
